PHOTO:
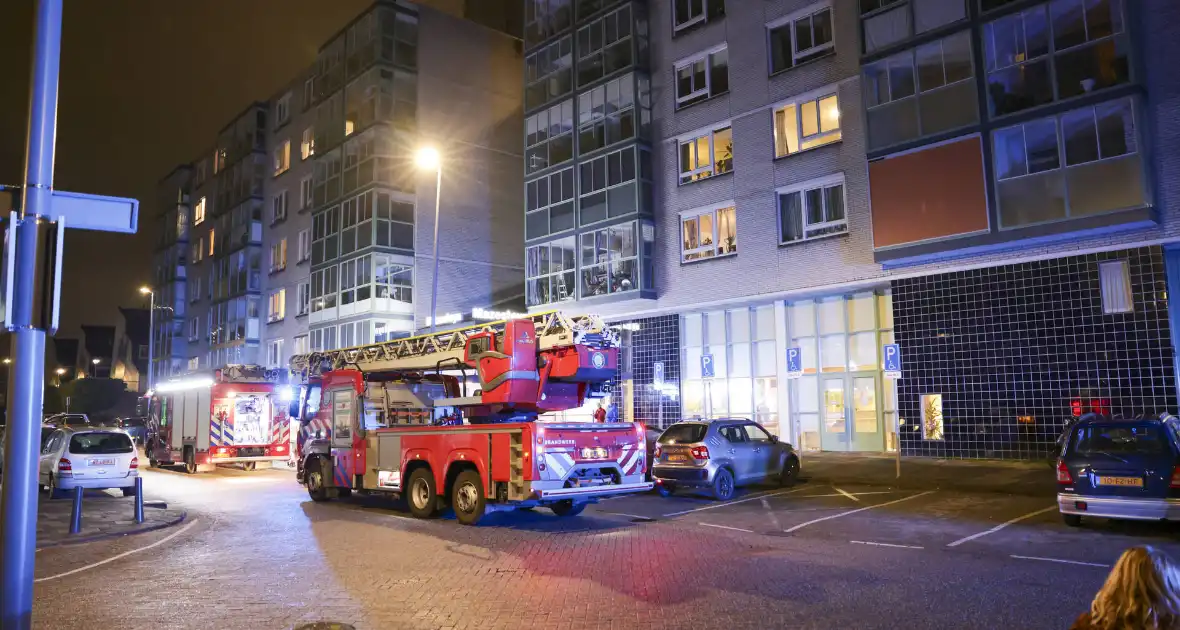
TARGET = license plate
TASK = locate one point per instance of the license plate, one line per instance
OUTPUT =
(1136, 482)
(102, 462)
(677, 458)
(595, 452)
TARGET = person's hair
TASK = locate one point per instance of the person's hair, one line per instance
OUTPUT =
(1142, 591)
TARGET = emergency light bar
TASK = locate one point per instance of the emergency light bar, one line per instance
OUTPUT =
(192, 383)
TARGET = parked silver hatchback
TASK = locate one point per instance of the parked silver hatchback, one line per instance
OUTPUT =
(720, 455)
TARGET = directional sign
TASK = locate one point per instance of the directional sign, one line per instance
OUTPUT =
(892, 353)
(657, 373)
(95, 212)
(707, 365)
(794, 362)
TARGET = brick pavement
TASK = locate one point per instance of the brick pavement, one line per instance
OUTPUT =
(103, 515)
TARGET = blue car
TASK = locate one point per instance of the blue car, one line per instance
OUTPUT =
(1124, 469)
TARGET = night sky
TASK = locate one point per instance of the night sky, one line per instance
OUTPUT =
(146, 85)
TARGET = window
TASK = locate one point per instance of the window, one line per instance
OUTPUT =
(198, 251)
(304, 251)
(702, 77)
(545, 18)
(194, 289)
(686, 13)
(1082, 162)
(301, 345)
(708, 232)
(609, 260)
(550, 204)
(550, 272)
(278, 306)
(811, 210)
(706, 155)
(323, 289)
(278, 207)
(393, 281)
(194, 329)
(394, 225)
(302, 298)
(274, 353)
(606, 114)
(282, 110)
(194, 363)
(355, 334)
(323, 339)
(887, 22)
(743, 383)
(548, 73)
(932, 421)
(801, 37)
(549, 137)
(1115, 279)
(807, 123)
(282, 158)
(308, 94)
(608, 187)
(212, 240)
(199, 212)
(1029, 64)
(604, 47)
(305, 193)
(278, 256)
(356, 277)
(307, 145)
(920, 92)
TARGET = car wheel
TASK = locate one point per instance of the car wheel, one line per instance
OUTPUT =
(567, 508)
(190, 462)
(423, 496)
(315, 481)
(666, 489)
(249, 465)
(54, 491)
(1073, 520)
(467, 498)
(723, 486)
(128, 492)
(790, 471)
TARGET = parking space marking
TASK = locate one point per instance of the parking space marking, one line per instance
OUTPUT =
(881, 544)
(1058, 560)
(850, 512)
(999, 527)
(646, 518)
(122, 555)
(717, 505)
(858, 494)
(773, 519)
(736, 529)
(850, 496)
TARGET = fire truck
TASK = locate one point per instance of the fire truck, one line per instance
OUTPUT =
(236, 416)
(400, 417)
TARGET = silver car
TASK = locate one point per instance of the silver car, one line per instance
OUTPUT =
(88, 458)
(721, 455)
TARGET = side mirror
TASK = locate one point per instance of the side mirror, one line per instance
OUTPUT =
(774, 439)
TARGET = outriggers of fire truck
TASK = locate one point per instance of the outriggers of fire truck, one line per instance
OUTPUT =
(393, 417)
(237, 415)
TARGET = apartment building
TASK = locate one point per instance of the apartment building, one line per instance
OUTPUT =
(171, 273)
(977, 181)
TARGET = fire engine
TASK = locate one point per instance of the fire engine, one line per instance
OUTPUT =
(395, 417)
(236, 416)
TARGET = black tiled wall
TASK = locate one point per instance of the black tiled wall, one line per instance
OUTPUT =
(658, 339)
(1029, 340)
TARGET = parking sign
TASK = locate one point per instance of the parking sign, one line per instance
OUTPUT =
(707, 365)
(794, 362)
(892, 354)
(657, 373)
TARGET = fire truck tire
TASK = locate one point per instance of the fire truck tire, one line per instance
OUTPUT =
(249, 465)
(422, 496)
(316, 474)
(567, 508)
(190, 461)
(467, 498)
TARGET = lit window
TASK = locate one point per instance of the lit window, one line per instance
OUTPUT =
(550, 272)
(307, 146)
(278, 306)
(194, 363)
(812, 209)
(1115, 282)
(702, 77)
(199, 212)
(212, 240)
(278, 256)
(807, 122)
(686, 13)
(609, 260)
(708, 232)
(932, 422)
(282, 157)
(706, 155)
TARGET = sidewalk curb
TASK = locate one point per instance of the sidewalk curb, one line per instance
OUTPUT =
(89, 539)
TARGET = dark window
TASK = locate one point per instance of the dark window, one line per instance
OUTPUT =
(100, 444)
(684, 433)
(800, 40)
(1120, 439)
(686, 13)
(702, 78)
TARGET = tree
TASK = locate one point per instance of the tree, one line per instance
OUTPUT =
(93, 395)
(53, 400)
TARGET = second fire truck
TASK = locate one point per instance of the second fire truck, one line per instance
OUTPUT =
(394, 417)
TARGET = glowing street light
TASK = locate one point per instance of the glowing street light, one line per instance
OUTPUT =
(146, 290)
(60, 371)
(428, 159)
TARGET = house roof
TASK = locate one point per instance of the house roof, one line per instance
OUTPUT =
(138, 324)
(99, 340)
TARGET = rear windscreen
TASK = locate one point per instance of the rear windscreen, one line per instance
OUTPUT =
(1121, 439)
(100, 444)
(684, 434)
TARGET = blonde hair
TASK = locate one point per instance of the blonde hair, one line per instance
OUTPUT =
(1142, 591)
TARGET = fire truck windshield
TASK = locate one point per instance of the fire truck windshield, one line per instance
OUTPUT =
(311, 404)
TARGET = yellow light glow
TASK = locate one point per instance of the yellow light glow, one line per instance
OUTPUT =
(427, 159)
(61, 371)
(145, 290)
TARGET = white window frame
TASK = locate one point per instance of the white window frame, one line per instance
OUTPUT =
(199, 212)
(708, 252)
(802, 188)
(788, 21)
(814, 96)
(277, 306)
(278, 256)
(306, 193)
(693, 97)
(194, 329)
(302, 345)
(304, 246)
(303, 298)
(282, 158)
(692, 21)
(194, 363)
(278, 207)
(282, 110)
(274, 353)
(307, 145)
(703, 172)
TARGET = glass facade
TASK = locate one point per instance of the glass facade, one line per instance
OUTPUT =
(738, 345)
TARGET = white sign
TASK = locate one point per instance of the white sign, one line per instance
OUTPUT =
(449, 318)
(492, 316)
(657, 374)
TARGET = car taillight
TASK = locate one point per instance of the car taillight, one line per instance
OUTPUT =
(134, 463)
(1063, 475)
(1176, 477)
(656, 453)
(700, 452)
(64, 465)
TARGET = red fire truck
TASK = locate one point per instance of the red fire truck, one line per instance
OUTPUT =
(394, 418)
(236, 416)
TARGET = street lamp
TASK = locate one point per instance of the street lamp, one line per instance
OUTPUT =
(428, 159)
(60, 371)
(151, 332)
(94, 370)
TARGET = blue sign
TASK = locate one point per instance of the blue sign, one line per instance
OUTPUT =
(892, 353)
(707, 365)
(794, 362)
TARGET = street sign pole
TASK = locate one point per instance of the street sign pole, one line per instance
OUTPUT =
(892, 354)
(18, 500)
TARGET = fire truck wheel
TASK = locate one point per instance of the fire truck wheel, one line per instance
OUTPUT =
(190, 461)
(315, 481)
(249, 465)
(567, 508)
(467, 498)
(422, 495)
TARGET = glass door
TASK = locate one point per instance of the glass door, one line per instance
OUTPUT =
(834, 424)
(851, 421)
(866, 423)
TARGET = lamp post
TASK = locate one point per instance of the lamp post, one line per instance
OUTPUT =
(428, 159)
(94, 370)
(151, 333)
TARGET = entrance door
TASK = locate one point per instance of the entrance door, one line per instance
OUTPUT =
(850, 421)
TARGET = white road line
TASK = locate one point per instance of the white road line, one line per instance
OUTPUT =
(881, 544)
(736, 529)
(646, 518)
(122, 555)
(1084, 564)
(770, 513)
(858, 494)
(828, 518)
(717, 505)
(850, 496)
(999, 527)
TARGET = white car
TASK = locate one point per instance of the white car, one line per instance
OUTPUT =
(88, 458)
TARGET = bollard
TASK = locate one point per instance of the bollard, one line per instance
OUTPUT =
(139, 499)
(76, 514)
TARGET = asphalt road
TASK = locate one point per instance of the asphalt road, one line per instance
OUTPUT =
(257, 553)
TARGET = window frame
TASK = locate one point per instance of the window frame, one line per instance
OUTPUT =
(278, 207)
(699, 173)
(612, 261)
(702, 18)
(815, 96)
(307, 143)
(604, 160)
(910, 22)
(699, 95)
(550, 275)
(819, 183)
(711, 251)
(278, 255)
(547, 209)
(282, 158)
(303, 253)
(306, 193)
(274, 353)
(283, 110)
(303, 298)
(199, 209)
(814, 53)
(545, 54)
